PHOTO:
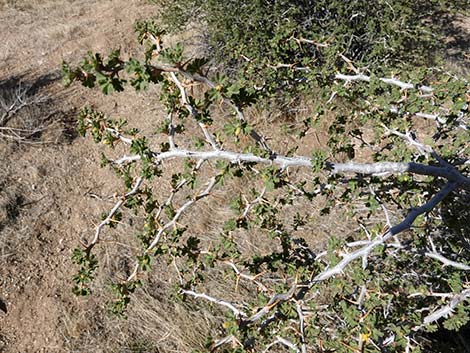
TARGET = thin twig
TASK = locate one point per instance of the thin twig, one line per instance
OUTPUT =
(113, 211)
(236, 312)
(193, 111)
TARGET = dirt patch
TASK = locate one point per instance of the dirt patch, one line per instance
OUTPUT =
(44, 177)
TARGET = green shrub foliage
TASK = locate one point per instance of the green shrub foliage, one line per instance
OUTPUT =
(284, 47)
(378, 289)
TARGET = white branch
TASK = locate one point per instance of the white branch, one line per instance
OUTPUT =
(274, 301)
(292, 67)
(202, 79)
(171, 132)
(113, 211)
(228, 339)
(238, 111)
(118, 135)
(301, 326)
(309, 41)
(440, 120)
(193, 111)
(233, 157)
(423, 149)
(381, 239)
(20, 99)
(447, 310)
(236, 312)
(380, 168)
(198, 78)
(238, 273)
(390, 81)
(436, 117)
(250, 205)
(284, 342)
(431, 294)
(180, 211)
(404, 86)
(436, 256)
(360, 253)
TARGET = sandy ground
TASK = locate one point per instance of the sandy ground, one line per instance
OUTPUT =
(43, 185)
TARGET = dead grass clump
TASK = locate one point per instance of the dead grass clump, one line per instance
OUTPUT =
(168, 325)
(28, 112)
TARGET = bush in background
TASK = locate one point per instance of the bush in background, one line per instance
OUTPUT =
(283, 47)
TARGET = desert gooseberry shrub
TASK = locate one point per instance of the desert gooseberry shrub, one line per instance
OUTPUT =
(403, 271)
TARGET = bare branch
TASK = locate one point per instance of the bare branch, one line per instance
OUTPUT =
(404, 86)
(238, 111)
(380, 168)
(423, 149)
(292, 67)
(381, 239)
(273, 302)
(301, 326)
(309, 41)
(239, 274)
(171, 131)
(447, 262)
(447, 309)
(19, 99)
(194, 113)
(233, 157)
(117, 134)
(283, 341)
(236, 312)
(178, 187)
(250, 205)
(228, 339)
(390, 81)
(111, 213)
(199, 78)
